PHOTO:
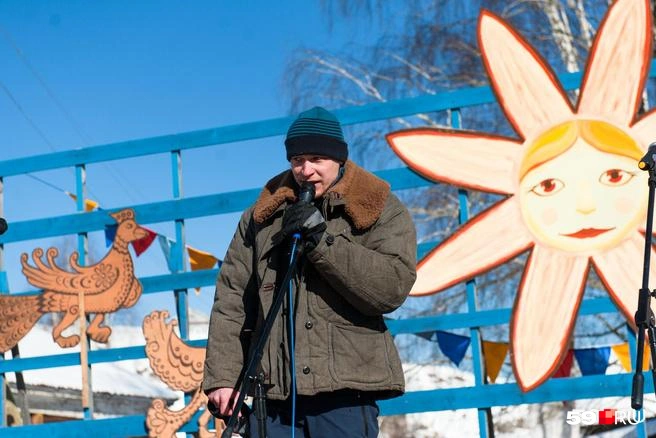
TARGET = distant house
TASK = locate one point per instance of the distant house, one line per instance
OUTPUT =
(54, 394)
(50, 403)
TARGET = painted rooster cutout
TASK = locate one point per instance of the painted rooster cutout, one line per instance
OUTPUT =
(180, 366)
(108, 286)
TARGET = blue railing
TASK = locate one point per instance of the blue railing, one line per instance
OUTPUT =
(179, 208)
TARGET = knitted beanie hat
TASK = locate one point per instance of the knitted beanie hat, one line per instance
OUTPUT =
(316, 131)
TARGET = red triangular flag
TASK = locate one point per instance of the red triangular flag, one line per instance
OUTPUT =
(144, 243)
(565, 368)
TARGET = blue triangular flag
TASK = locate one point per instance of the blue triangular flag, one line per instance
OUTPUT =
(110, 233)
(166, 244)
(592, 360)
(453, 346)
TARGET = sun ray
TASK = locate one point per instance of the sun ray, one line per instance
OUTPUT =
(617, 64)
(620, 269)
(544, 313)
(525, 85)
(490, 239)
(437, 155)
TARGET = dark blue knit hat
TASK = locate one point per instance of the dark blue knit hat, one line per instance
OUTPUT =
(316, 131)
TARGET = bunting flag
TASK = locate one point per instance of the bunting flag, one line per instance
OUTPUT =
(110, 233)
(166, 245)
(89, 205)
(494, 354)
(565, 368)
(592, 360)
(453, 346)
(200, 259)
(623, 354)
(144, 243)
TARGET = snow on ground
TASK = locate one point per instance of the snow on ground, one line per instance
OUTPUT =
(134, 377)
(535, 420)
(129, 377)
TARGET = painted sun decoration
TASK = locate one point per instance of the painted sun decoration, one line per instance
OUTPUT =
(575, 196)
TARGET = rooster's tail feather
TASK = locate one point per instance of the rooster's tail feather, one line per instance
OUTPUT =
(18, 314)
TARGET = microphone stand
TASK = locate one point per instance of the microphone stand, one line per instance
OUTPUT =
(644, 317)
(249, 372)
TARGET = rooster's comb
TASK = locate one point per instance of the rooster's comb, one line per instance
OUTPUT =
(123, 215)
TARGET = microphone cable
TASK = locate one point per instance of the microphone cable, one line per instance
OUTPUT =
(306, 195)
(292, 328)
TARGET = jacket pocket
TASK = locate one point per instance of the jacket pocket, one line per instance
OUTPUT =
(358, 355)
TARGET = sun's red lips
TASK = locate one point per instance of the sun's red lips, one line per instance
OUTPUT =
(585, 233)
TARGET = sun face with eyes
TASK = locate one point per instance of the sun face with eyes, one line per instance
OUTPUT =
(573, 195)
(584, 199)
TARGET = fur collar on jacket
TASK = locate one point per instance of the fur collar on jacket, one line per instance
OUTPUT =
(363, 195)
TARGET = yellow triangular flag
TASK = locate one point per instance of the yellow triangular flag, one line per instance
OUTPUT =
(89, 205)
(622, 353)
(200, 260)
(494, 354)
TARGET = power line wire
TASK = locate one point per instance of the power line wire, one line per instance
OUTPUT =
(38, 130)
(42, 181)
(45, 86)
(114, 173)
(27, 117)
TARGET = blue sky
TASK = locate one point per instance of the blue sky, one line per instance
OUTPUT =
(78, 73)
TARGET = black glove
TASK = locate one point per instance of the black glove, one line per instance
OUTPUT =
(303, 218)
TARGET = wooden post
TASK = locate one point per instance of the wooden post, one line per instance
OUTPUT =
(87, 403)
(84, 351)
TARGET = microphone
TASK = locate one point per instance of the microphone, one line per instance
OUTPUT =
(307, 192)
(305, 195)
(3, 226)
(648, 161)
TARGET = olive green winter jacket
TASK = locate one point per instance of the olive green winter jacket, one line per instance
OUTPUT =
(362, 268)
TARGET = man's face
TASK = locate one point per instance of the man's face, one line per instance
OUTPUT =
(316, 169)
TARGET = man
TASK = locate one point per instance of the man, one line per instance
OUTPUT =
(358, 264)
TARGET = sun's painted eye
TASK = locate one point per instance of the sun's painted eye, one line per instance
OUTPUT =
(615, 177)
(548, 187)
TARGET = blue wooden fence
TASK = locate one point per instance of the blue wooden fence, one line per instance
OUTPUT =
(179, 208)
